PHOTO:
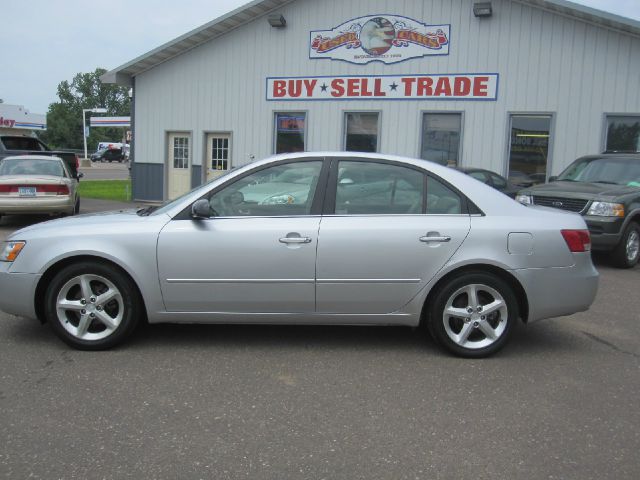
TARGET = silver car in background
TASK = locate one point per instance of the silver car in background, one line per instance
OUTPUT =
(308, 238)
(37, 184)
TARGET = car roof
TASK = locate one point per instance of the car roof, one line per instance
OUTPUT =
(34, 157)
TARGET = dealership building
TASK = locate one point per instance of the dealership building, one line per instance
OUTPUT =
(520, 87)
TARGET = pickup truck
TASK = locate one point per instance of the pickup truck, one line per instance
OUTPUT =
(11, 145)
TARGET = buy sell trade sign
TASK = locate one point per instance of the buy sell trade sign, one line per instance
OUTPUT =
(464, 86)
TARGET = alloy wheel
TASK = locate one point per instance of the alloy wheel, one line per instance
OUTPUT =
(89, 307)
(475, 316)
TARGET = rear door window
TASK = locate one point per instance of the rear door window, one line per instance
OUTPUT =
(370, 188)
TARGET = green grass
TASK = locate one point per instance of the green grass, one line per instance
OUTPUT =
(119, 190)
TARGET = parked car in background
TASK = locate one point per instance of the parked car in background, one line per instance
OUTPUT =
(311, 238)
(37, 184)
(605, 190)
(520, 179)
(108, 155)
(11, 145)
(492, 179)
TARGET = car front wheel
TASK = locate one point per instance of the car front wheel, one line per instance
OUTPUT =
(627, 252)
(473, 314)
(92, 306)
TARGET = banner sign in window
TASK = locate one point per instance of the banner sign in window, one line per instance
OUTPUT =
(383, 38)
(290, 123)
(460, 86)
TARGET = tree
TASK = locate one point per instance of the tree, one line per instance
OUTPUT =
(64, 118)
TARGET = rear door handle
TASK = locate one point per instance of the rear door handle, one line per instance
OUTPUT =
(437, 238)
(288, 240)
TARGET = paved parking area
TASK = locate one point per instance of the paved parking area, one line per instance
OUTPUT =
(561, 401)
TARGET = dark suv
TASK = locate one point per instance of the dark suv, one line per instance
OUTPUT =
(605, 189)
(108, 155)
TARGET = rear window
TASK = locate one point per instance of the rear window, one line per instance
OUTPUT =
(20, 166)
(21, 143)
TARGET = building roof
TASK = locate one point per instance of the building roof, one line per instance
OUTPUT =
(123, 74)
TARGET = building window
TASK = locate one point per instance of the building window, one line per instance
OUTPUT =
(181, 152)
(623, 133)
(361, 132)
(529, 149)
(219, 153)
(441, 134)
(290, 131)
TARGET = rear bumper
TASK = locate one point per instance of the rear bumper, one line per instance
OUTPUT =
(559, 291)
(18, 292)
(35, 205)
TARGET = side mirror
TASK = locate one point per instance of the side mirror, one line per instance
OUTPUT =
(553, 178)
(79, 175)
(200, 209)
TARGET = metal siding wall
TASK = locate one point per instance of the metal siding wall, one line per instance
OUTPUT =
(149, 181)
(196, 175)
(547, 63)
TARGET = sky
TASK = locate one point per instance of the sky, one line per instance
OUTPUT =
(44, 42)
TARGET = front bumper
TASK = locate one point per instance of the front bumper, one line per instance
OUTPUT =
(559, 291)
(605, 231)
(17, 291)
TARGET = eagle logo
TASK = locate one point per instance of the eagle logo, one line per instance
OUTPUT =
(377, 36)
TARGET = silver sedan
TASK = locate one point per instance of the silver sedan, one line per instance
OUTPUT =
(36, 184)
(312, 238)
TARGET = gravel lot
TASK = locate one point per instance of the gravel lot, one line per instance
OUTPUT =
(561, 401)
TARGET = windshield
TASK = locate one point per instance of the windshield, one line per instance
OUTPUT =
(619, 171)
(23, 166)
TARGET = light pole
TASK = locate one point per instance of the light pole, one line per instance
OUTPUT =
(84, 123)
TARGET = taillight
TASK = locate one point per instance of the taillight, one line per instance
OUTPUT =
(56, 189)
(577, 240)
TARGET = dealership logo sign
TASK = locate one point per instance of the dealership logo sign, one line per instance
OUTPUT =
(7, 122)
(382, 38)
(459, 86)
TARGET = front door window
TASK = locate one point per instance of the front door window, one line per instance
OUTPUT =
(281, 190)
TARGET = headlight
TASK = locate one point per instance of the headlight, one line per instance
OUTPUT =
(606, 209)
(279, 199)
(11, 250)
(524, 199)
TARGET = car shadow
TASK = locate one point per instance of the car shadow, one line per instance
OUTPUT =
(539, 340)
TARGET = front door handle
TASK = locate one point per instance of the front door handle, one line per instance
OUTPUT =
(289, 240)
(435, 237)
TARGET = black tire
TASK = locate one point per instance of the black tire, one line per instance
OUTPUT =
(123, 310)
(477, 344)
(627, 252)
(76, 208)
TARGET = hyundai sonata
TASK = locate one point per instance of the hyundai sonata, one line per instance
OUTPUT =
(310, 238)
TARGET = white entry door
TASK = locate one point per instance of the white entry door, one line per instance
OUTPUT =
(218, 154)
(179, 170)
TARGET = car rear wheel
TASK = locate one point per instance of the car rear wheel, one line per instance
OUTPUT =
(473, 314)
(76, 208)
(627, 252)
(92, 306)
